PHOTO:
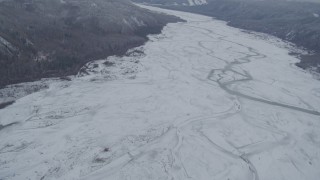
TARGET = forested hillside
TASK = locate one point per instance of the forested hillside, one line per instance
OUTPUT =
(45, 38)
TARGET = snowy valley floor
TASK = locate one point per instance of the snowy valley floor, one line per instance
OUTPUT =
(204, 101)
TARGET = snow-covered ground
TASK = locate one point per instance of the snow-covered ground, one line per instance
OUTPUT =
(204, 101)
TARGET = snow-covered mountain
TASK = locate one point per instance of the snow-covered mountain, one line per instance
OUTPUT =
(174, 2)
(197, 2)
(200, 101)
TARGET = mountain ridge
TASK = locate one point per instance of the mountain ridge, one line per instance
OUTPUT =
(49, 38)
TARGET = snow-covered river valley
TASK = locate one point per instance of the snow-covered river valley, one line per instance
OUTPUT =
(200, 101)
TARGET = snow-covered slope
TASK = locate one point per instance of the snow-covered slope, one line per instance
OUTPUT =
(204, 101)
(197, 2)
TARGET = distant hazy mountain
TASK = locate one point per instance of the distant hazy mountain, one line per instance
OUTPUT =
(43, 38)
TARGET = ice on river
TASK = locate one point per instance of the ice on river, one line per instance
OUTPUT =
(204, 101)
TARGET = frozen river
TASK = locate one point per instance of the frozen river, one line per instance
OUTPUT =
(200, 101)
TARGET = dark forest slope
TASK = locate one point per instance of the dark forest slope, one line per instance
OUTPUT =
(45, 38)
